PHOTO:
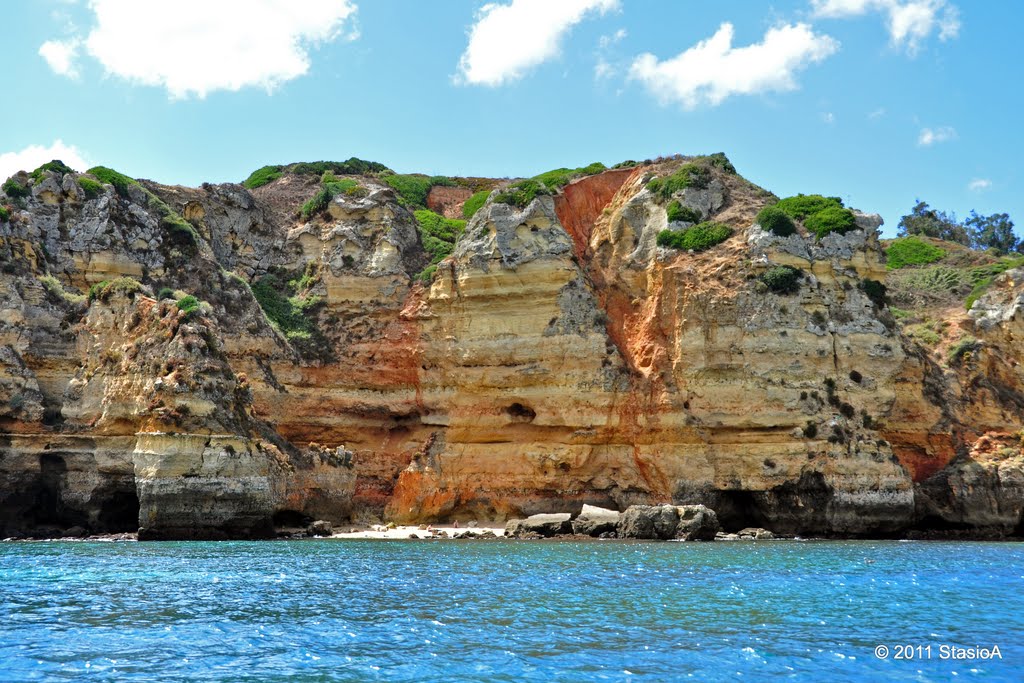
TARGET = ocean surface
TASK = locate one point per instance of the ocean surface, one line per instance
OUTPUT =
(347, 610)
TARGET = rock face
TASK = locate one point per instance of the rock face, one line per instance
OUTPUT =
(559, 359)
(545, 525)
(594, 521)
(696, 523)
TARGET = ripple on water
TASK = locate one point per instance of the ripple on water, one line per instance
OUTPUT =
(365, 610)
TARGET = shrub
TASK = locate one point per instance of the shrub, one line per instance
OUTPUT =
(628, 163)
(15, 190)
(681, 213)
(522, 193)
(875, 290)
(441, 181)
(688, 175)
(777, 221)
(165, 293)
(803, 205)
(411, 189)
(102, 291)
(57, 166)
(782, 279)
(810, 430)
(911, 251)
(262, 176)
(91, 187)
(109, 176)
(352, 166)
(698, 238)
(188, 304)
(830, 220)
(475, 203)
(318, 203)
(719, 160)
(5, 215)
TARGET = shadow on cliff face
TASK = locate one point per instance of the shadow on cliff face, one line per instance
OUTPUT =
(795, 507)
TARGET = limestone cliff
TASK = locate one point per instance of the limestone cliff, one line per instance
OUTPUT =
(217, 361)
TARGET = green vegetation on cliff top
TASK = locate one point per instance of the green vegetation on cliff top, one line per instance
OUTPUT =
(352, 166)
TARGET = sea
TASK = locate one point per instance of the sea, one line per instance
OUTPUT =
(472, 610)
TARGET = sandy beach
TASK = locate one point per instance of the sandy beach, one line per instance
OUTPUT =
(420, 531)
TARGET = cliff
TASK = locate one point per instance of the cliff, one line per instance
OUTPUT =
(220, 361)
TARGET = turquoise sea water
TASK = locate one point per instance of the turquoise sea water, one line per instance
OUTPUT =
(507, 611)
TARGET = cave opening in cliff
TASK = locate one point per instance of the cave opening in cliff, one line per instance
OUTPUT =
(120, 512)
(737, 509)
(291, 519)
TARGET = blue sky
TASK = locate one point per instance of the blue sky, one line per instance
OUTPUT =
(877, 101)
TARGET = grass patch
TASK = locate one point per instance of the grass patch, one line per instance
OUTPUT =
(5, 215)
(109, 176)
(782, 279)
(911, 251)
(775, 220)
(288, 312)
(267, 174)
(263, 176)
(57, 166)
(56, 288)
(15, 190)
(958, 352)
(680, 213)
(90, 187)
(426, 276)
(522, 193)
(688, 175)
(171, 221)
(330, 187)
(560, 177)
(803, 205)
(475, 203)
(698, 238)
(833, 219)
(438, 234)
(983, 276)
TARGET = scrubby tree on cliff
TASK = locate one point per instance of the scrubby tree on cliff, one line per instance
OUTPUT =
(926, 221)
(992, 232)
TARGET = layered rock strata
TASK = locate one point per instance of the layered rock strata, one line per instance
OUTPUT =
(558, 358)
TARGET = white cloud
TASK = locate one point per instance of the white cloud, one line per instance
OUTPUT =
(603, 70)
(828, 117)
(607, 41)
(876, 114)
(713, 70)
(34, 156)
(508, 40)
(61, 55)
(979, 185)
(909, 22)
(194, 47)
(931, 136)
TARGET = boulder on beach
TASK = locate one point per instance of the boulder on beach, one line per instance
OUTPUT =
(696, 523)
(594, 521)
(649, 522)
(756, 533)
(546, 525)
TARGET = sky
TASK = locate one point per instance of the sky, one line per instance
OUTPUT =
(880, 102)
